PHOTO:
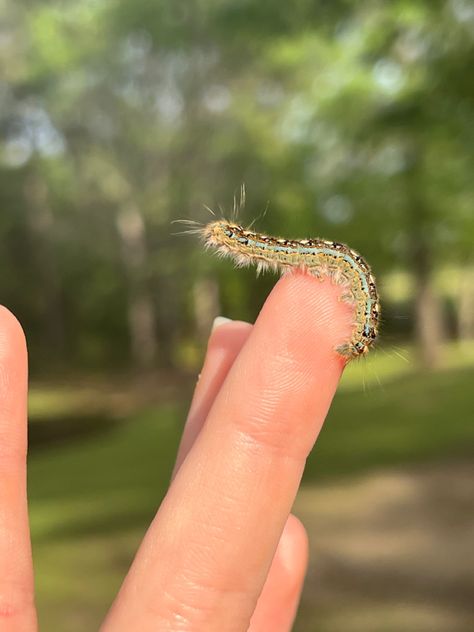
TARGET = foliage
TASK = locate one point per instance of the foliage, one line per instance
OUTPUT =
(351, 120)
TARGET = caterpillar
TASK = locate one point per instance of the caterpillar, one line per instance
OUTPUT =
(318, 257)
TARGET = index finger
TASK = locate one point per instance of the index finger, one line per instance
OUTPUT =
(17, 611)
(205, 558)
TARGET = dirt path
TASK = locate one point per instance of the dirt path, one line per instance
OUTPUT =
(391, 552)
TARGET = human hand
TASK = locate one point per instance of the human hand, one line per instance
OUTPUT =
(223, 552)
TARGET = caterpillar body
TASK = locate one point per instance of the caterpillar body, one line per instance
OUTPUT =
(318, 257)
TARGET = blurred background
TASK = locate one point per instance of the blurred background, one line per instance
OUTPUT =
(346, 120)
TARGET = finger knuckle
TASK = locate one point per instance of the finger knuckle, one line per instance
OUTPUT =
(195, 606)
(16, 600)
(270, 418)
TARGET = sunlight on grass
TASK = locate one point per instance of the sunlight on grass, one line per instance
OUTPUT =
(55, 401)
(387, 363)
(376, 368)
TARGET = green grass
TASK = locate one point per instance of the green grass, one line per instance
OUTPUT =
(90, 503)
(93, 495)
(413, 419)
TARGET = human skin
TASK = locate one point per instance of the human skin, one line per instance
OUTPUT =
(223, 552)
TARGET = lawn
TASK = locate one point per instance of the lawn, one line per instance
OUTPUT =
(93, 492)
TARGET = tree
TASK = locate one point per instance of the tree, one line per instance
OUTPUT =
(350, 120)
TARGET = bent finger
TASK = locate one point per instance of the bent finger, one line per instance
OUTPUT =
(17, 611)
(278, 603)
(225, 343)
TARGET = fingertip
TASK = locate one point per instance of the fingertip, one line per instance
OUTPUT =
(218, 321)
(13, 384)
(12, 336)
(293, 549)
(225, 343)
(227, 335)
(311, 307)
(278, 602)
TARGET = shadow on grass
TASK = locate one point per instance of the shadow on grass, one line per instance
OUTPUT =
(109, 524)
(104, 482)
(44, 433)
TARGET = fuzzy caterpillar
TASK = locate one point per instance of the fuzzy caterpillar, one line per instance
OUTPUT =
(317, 257)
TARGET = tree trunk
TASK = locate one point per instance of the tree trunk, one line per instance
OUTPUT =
(429, 325)
(428, 321)
(206, 305)
(141, 308)
(41, 225)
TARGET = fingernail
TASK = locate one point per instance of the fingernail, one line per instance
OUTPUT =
(220, 320)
